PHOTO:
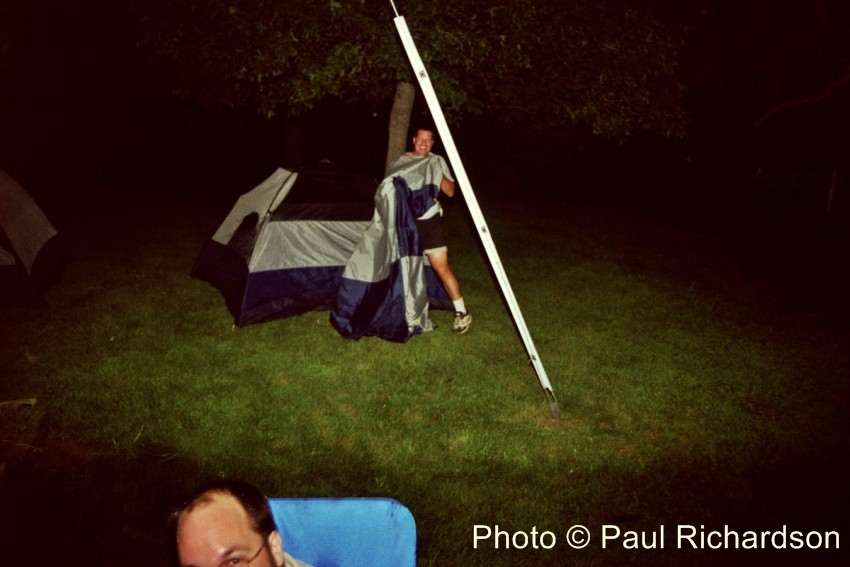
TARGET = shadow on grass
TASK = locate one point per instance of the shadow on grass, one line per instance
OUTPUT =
(68, 503)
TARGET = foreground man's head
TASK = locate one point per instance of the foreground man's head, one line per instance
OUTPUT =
(228, 523)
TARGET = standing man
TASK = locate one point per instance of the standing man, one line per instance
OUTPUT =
(430, 227)
(228, 523)
(384, 289)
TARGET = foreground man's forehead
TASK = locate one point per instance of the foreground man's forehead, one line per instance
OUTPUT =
(214, 530)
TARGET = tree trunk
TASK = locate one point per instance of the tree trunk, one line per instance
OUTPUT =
(292, 156)
(405, 94)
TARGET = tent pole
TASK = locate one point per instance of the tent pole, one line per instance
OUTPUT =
(474, 209)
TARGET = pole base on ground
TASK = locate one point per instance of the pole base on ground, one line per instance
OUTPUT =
(553, 404)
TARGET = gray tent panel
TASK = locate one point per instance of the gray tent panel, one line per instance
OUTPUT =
(24, 224)
(32, 256)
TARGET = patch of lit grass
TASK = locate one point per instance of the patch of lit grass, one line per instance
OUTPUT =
(675, 402)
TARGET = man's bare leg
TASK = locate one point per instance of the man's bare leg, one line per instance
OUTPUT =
(440, 263)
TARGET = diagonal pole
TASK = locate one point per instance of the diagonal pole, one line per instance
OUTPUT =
(472, 204)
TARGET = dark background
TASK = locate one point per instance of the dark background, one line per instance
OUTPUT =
(89, 121)
(81, 101)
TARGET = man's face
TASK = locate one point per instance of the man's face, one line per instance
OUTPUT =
(422, 142)
(219, 533)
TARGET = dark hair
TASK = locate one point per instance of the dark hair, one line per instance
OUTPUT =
(250, 497)
(427, 126)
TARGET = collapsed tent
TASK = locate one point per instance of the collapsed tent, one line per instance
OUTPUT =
(384, 289)
(282, 248)
(32, 255)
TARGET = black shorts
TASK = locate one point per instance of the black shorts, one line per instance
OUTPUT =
(431, 235)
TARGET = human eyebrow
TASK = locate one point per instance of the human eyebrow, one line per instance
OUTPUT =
(231, 550)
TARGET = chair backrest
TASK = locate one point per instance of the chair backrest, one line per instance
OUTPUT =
(346, 532)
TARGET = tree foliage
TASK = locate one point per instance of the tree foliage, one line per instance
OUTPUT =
(609, 64)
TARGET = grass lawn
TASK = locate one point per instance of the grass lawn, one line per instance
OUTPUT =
(702, 379)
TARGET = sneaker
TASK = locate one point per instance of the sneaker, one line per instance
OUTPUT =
(462, 321)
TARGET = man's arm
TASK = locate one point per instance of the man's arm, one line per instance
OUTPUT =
(447, 186)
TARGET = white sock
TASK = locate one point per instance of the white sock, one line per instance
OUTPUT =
(459, 306)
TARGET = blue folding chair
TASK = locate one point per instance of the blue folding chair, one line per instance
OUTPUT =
(346, 532)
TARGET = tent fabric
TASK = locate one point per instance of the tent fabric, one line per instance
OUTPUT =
(271, 259)
(261, 200)
(278, 253)
(385, 285)
(32, 255)
(346, 532)
(25, 225)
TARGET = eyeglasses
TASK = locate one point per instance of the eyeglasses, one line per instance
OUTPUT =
(238, 560)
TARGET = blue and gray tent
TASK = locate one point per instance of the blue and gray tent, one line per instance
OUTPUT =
(282, 248)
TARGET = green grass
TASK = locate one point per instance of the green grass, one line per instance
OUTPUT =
(686, 397)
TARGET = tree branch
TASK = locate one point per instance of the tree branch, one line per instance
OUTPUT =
(800, 102)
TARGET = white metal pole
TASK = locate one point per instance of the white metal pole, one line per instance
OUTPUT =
(474, 209)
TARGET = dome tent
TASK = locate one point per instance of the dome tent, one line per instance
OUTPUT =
(282, 248)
